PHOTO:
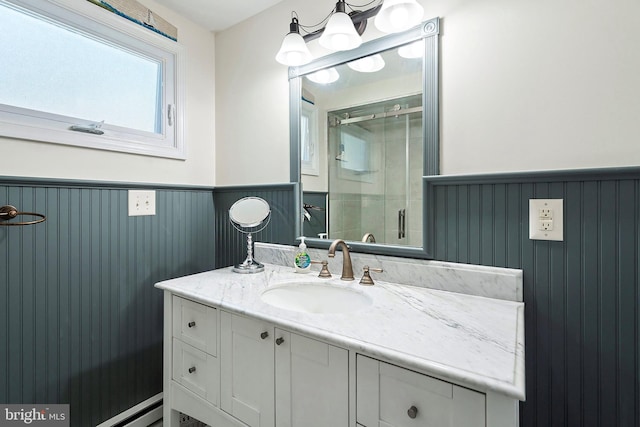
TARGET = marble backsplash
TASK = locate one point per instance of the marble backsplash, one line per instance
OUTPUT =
(490, 282)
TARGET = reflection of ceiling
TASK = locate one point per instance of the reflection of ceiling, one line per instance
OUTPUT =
(395, 67)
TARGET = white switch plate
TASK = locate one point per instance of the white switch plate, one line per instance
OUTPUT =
(142, 202)
(546, 218)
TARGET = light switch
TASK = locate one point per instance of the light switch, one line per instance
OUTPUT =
(142, 202)
(546, 219)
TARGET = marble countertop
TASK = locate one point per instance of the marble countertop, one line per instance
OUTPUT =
(469, 340)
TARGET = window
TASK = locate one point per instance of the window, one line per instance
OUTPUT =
(87, 77)
(357, 154)
(309, 140)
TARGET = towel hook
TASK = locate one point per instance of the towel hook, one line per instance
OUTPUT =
(9, 212)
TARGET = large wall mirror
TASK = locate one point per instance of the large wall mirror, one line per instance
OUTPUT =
(364, 131)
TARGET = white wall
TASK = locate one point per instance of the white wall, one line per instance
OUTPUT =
(252, 122)
(524, 86)
(36, 159)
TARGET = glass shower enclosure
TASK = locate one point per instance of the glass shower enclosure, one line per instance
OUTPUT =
(375, 172)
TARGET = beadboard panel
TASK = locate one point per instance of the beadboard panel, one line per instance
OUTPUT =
(318, 222)
(283, 199)
(81, 320)
(581, 295)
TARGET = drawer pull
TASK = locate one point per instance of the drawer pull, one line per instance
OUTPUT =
(264, 335)
(279, 341)
(191, 324)
(412, 412)
(192, 369)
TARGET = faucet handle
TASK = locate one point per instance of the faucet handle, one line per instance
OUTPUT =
(366, 277)
(324, 272)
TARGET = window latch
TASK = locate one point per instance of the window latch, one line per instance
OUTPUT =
(93, 128)
(170, 114)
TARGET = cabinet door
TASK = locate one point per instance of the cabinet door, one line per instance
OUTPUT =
(247, 369)
(390, 396)
(312, 382)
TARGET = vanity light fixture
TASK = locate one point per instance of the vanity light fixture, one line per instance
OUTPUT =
(368, 64)
(340, 32)
(398, 15)
(343, 30)
(294, 50)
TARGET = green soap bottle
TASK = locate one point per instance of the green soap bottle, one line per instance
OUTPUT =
(302, 261)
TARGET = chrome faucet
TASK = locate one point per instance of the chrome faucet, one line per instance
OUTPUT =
(347, 267)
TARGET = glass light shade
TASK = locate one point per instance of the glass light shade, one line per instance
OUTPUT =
(398, 15)
(326, 76)
(412, 50)
(293, 51)
(368, 64)
(340, 33)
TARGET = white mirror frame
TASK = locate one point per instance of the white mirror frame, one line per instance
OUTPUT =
(429, 32)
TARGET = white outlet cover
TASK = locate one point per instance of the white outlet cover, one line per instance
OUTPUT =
(535, 221)
(142, 202)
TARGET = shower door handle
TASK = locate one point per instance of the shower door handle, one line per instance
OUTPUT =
(401, 223)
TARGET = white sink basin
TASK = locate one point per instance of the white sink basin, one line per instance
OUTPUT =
(309, 297)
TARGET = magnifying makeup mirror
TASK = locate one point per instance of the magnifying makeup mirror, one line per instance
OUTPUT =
(249, 215)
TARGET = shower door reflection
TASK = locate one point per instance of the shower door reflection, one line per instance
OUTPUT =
(374, 170)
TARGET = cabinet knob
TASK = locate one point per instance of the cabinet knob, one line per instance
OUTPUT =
(264, 335)
(192, 369)
(279, 340)
(191, 324)
(412, 412)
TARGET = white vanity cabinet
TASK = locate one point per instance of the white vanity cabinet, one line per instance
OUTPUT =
(310, 377)
(231, 360)
(390, 396)
(229, 370)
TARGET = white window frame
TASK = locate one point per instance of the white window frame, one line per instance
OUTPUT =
(93, 20)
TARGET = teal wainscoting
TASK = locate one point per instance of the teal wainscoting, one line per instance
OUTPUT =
(80, 320)
(581, 295)
(317, 223)
(231, 245)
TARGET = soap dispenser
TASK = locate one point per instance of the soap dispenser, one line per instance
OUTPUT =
(302, 261)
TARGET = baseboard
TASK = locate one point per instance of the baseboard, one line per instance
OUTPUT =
(142, 415)
(147, 419)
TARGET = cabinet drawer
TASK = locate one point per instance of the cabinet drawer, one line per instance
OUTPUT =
(390, 396)
(196, 370)
(195, 324)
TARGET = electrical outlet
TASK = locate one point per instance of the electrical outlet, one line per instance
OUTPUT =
(546, 219)
(546, 213)
(142, 202)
